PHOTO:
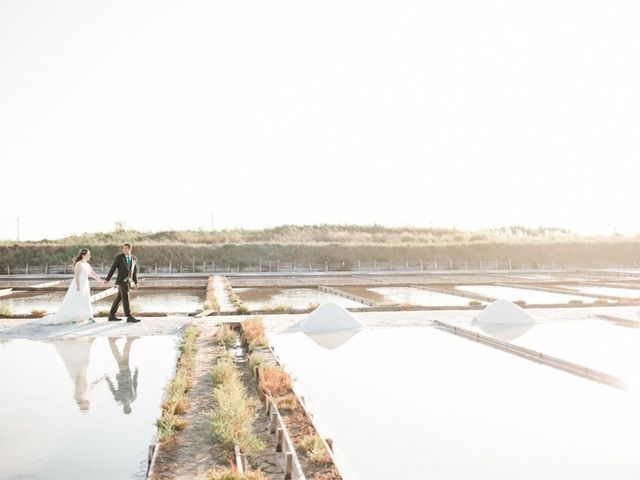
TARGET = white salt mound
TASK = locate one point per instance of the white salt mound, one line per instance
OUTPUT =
(503, 312)
(328, 317)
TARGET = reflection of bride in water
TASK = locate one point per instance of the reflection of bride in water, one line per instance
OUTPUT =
(127, 388)
(75, 353)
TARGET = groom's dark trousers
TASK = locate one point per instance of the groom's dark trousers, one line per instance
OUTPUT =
(121, 296)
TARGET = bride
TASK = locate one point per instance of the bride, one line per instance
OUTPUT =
(76, 306)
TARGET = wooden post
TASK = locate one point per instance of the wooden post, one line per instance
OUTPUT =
(274, 421)
(65, 268)
(330, 443)
(288, 466)
(155, 267)
(193, 265)
(46, 268)
(277, 265)
(422, 266)
(279, 439)
(239, 465)
(26, 268)
(326, 266)
(170, 266)
(359, 265)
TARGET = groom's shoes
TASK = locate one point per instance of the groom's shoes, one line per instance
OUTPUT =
(132, 320)
(114, 319)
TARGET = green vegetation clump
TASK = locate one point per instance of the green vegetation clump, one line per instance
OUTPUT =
(234, 412)
(255, 360)
(176, 399)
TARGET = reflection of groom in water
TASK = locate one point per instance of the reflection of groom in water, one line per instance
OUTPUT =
(127, 384)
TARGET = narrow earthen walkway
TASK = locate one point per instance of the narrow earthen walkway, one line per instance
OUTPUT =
(191, 454)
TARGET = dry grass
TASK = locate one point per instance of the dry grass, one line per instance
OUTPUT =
(38, 313)
(6, 312)
(314, 448)
(232, 474)
(255, 360)
(211, 302)
(224, 371)
(281, 309)
(287, 403)
(176, 399)
(275, 380)
(226, 336)
(475, 303)
(241, 308)
(253, 330)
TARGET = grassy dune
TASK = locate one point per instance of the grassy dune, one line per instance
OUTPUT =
(330, 243)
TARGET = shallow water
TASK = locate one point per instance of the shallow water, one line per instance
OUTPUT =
(297, 298)
(169, 302)
(24, 305)
(81, 408)
(428, 404)
(593, 343)
(514, 294)
(417, 296)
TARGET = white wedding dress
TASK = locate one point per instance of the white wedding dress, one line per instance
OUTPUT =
(76, 306)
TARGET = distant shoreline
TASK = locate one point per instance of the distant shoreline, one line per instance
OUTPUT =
(335, 244)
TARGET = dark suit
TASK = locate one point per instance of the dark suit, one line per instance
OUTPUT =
(120, 263)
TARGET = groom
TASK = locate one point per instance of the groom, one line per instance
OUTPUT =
(127, 266)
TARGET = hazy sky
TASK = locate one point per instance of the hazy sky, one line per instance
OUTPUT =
(458, 113)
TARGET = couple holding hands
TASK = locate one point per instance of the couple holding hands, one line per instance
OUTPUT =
(76, 306)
